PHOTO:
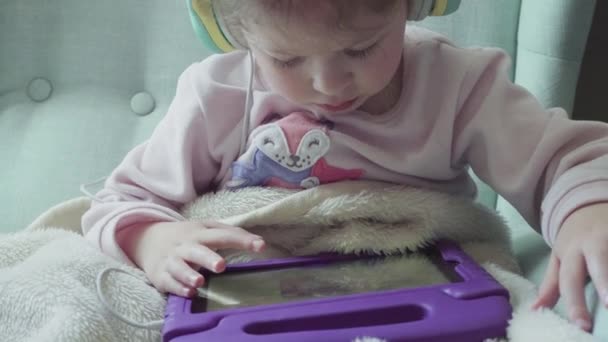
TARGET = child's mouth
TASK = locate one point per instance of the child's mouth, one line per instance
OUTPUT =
(338, 107)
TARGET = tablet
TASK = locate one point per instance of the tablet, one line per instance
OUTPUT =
(437, 294)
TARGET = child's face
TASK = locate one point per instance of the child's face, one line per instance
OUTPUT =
(326, 69)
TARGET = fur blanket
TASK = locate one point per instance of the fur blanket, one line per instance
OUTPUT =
(48, 271)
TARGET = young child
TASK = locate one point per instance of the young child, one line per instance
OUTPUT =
(339, 90)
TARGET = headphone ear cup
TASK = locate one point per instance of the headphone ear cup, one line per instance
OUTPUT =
(199, 28)
(420, 9)
(206, 27)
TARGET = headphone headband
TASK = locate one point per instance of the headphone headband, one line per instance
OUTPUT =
(216, 38)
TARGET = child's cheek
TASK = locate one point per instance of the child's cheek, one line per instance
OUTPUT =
(287, 83)
(383, 65)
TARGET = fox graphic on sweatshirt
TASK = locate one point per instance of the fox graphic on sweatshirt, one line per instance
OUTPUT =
(288, 153)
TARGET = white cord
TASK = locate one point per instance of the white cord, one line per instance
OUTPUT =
(152, 325)
(84, 190)
(248, 103)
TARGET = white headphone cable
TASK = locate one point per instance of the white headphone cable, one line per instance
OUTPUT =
(248, 104)
(152, 325)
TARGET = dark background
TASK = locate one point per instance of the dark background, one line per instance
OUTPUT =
(591, 101)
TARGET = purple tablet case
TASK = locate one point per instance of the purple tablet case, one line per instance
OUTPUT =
(472, 309)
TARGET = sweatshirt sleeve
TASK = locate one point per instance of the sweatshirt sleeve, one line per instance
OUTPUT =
(545, 164)
(157, 177)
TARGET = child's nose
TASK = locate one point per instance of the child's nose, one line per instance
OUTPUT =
(333, 81)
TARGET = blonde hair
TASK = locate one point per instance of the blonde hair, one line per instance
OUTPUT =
(235, 13)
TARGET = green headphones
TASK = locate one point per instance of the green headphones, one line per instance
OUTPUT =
(217, 39)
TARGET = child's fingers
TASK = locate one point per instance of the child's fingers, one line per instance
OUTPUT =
(182, 272)
(548, 293)
(597, 265)
(202, 256)
(572, 278)
(216, 224)
(167, 283)
(233, 237)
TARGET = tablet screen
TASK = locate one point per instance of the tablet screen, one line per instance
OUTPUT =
(260, 287)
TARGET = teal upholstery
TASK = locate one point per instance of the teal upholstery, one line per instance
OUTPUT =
(547, 43)
(82, 82)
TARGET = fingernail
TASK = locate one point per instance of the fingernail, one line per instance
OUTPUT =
(193, 280)
(536, 304)
(218, 266)
(581, 323)
(258, 245)
(186, 292)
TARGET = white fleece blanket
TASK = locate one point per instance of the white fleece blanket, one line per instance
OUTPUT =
(48, 271)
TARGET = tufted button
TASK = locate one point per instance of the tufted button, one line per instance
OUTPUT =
(142, 103)
(39, 89)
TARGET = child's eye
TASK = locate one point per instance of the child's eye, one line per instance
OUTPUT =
(288, 63)
(361, 53)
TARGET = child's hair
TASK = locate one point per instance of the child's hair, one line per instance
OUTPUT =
(237, 13)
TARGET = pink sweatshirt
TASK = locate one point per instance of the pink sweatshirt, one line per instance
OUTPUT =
(457, 109)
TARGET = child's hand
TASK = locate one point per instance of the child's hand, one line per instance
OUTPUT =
(170, 253)
(581, 249)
